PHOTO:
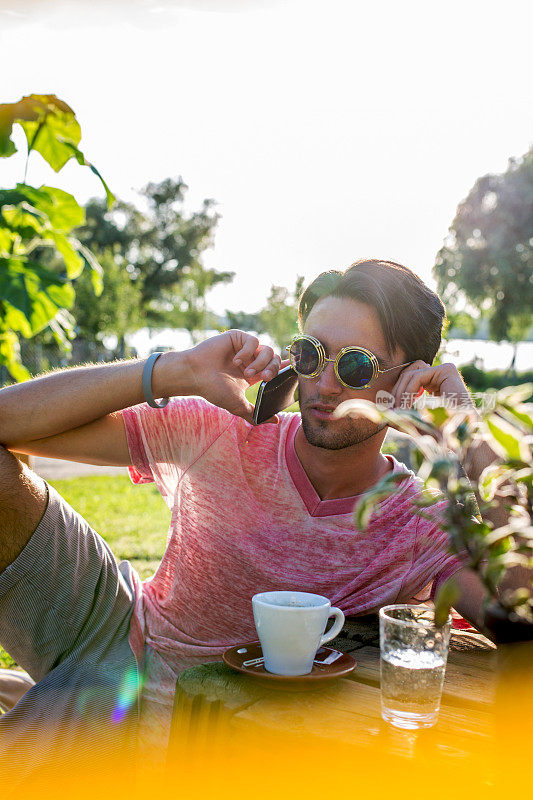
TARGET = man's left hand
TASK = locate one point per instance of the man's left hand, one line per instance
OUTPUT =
(442, 381)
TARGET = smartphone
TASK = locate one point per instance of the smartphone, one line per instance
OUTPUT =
(275, 395)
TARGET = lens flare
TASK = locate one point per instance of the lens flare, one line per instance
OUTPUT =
(127, 696)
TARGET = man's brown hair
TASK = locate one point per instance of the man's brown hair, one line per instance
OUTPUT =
(411, 315)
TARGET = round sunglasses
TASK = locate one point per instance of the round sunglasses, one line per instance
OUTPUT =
(355, 367)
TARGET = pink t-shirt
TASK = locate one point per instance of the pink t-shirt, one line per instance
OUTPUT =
(246, 519)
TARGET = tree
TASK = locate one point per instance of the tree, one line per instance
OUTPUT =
(161, 247)
(34, 296)
(279, 317)
(192, 312)
(486, 263)
(118, 310)
(244, 321)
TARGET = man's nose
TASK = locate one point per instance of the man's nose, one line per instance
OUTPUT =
(328, 383)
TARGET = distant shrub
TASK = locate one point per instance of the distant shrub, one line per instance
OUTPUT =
(479, 380)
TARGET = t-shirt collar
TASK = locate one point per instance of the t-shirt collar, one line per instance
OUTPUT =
(315, 506)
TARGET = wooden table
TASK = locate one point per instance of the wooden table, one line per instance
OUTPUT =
(216, 707)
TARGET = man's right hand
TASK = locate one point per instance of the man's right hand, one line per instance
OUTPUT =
(223, 367)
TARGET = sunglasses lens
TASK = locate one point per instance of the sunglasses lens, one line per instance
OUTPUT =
(304, 357)
(355, 369)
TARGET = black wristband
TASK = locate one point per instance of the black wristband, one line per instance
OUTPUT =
(147, 382)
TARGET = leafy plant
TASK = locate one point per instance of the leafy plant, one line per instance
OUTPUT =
(443, 438)
(33, 295)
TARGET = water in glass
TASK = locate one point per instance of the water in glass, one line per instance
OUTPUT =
(413, 662)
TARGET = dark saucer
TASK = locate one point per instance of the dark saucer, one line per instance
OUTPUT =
(321, 674)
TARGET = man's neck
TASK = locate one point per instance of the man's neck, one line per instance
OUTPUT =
(346, 472)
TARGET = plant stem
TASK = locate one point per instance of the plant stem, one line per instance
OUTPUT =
(31, 145)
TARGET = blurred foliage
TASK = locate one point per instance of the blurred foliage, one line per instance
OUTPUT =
(442, 437)
(487, 259)
(33, 295)
(479, 380)
(159, 247)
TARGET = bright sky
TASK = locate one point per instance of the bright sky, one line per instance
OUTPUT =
(325, 131)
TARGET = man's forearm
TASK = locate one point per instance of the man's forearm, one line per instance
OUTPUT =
(68, 399)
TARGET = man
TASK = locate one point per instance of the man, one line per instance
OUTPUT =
(253, 508)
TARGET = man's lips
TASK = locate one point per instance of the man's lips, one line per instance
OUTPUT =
(323, 406)
(322, 410)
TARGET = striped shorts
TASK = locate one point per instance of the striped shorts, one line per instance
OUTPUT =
(65, 611)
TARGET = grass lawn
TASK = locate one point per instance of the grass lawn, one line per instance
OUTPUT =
(132, 519)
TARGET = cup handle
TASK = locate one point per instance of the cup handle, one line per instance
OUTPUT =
(337, 626)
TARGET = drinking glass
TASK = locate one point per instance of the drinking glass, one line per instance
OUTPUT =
(413, 662)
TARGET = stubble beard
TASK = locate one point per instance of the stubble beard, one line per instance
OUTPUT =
(339, 434)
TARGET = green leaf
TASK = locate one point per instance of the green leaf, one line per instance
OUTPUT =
(110, 197)
(438, 415)
(417, 458)
(62, 327)
(364, 510)
(524, 476)
(521, 414)
(507, 438)
(522, 531)
(369, 501)
(22, 217)
(53, 130)
(7, 145)
(43, 281)
(97, 274)
(440, 469)
(47, 122)
(446, 597)
(514, 395)
(18, 371)
(490, 481)
(80, 158)
(16, 320)
(9, 356)
(494, 572)
(12, 286)
(6, 239)
(427, 499)
(501, 547)
(361, 408)
(61, 208)
(32, 294)
(29, 108)
(8, 345)
(73, 261)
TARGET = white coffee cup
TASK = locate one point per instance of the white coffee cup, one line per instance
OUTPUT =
(291, 628)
